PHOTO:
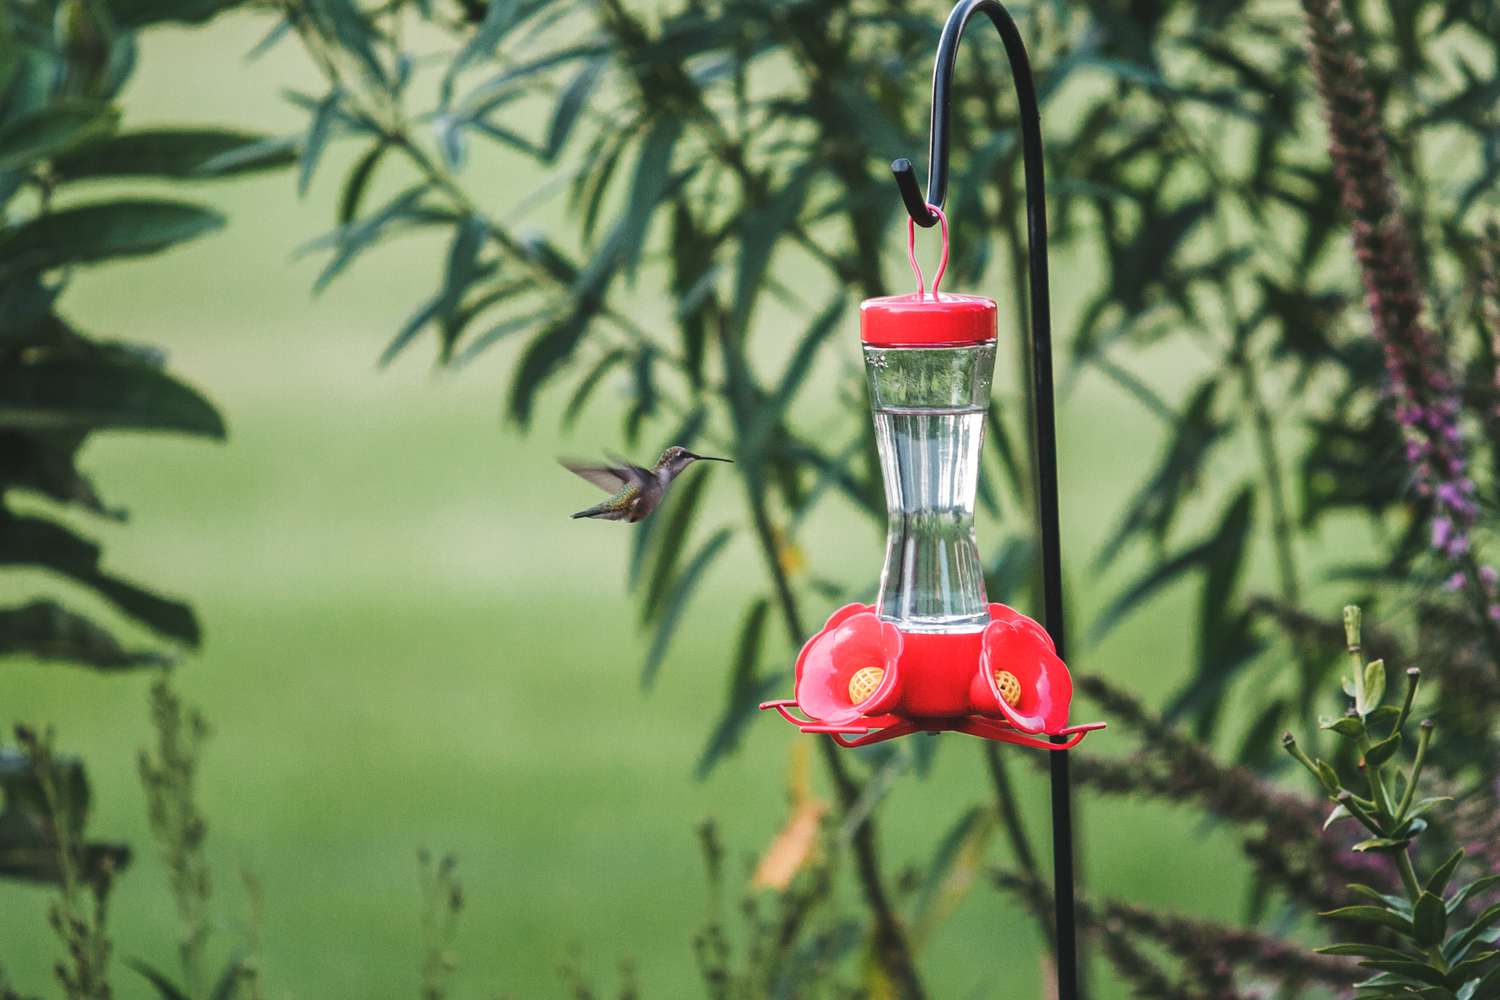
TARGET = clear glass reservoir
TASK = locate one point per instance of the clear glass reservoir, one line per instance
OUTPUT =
(929, 406)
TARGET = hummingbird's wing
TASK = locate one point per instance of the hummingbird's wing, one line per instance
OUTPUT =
(631, 472)
(605, 477)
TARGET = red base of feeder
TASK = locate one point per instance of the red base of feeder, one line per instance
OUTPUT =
(934, 682)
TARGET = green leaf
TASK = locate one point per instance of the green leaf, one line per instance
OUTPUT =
(98, 394)
(353, 239)
(761, 228)
(86, 234)
(648, 186)
(1437, 882)
(499, 17)
(164, 986)
(773, 409)
(30, 541)
(48, 631)
(357, 181)
(1219, 556)
(463, 253)
(1479, 885)
(53, 129)
(1374, 686)
(1364, 951)
(139, 13)
(953, 871)
(1469, 970)
(1383, 751)
(674, 528)
(744, 690)
(1339, 812)
(318, 132)
(1345, 725)
(1424, 806)
(262, 155)
(570, 103)
(184, 154)
(1381, 844)
(682, 592)
(229, 980)
(1409, 969)
(546, 353)
(586, 386)
(1382, 715)
(1398, 903)
(1471, 933)
(1371, 915)
(1429, 920)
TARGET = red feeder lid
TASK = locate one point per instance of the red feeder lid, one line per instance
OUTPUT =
(917, 320)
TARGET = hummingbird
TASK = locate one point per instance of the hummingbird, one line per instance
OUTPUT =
(635, 491)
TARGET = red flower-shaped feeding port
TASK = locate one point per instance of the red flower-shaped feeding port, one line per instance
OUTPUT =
(863, 677)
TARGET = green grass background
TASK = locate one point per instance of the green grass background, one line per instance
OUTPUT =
(408, 644)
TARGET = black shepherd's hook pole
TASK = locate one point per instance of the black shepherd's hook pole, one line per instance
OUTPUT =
(1041, 374)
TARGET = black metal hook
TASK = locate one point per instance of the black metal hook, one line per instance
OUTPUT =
(1042, 395)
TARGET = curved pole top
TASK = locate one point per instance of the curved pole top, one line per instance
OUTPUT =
(942, 94)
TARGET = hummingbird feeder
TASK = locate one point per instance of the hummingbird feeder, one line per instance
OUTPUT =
(933, 653)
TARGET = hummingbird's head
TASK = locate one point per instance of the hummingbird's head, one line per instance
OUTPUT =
(677, 458)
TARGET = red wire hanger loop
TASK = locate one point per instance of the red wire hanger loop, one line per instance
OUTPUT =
(911, 253)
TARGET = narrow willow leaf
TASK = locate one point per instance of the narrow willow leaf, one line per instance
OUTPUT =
(773, 409)
(49, 631)
(318, 132)
(31, 541)
(261, 155)
(743, 691)
(761, 229)
(677, 602)
(228, 985)
(546, 353)
(1339, 812)
(139, 13)
(648, 186)
(953, 871)
(590, 382)
(53, 129)
(86, 234)
(570, 104)
(677, 525)
(501, 330)
(164, 987)
(356, 237)
(100, 394)
(1381, 844)
(499, 17)
(357, 181)
(180, 153)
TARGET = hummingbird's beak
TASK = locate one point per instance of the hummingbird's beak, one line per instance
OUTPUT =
(710, 458)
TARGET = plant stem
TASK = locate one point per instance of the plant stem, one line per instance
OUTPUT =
(1015, 831)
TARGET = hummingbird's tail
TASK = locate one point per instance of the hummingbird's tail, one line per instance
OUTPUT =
(603, 511)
